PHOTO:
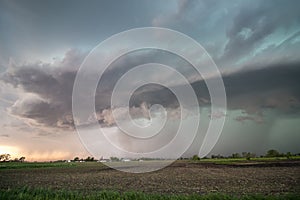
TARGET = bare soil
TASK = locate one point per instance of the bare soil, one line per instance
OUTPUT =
(180, 178)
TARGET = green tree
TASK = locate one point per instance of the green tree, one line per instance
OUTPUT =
(114, 159)
(76, 159)
(236, 155)
(195, 157)
(244, 154)
(248, 155)
(272, 153)
(288, 155)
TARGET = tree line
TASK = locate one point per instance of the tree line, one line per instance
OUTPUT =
(272, 153)
(247, 155)
(7, 158)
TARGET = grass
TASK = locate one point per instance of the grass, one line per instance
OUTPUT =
(29, 165)
(32, 165)
(243, 160)
(27, 193)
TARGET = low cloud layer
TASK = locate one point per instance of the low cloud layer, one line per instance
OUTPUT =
(48, 92)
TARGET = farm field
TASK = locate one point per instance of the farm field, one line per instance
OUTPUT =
(201, 179)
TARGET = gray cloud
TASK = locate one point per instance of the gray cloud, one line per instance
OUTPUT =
(245, 26)
(256, 119)
(254, 23)
(271, 87)
(4, 135)
(263, 87)
(50, 91)
(234, 32)
(47, 97)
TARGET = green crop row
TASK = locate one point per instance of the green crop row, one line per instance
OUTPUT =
(47, 194)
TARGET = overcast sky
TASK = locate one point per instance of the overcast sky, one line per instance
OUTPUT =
(254, 43)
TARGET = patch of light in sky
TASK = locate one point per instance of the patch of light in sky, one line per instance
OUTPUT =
(9, 149)
(277, 38)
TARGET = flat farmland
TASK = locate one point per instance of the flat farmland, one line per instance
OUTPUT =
(182, 177)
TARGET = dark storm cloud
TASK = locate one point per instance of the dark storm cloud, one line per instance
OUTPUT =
(48, 90)
(271, 87)
(233, 32)
(268, 87)
(255, 22)
(49, 28)
(47, 98)
(243, 27)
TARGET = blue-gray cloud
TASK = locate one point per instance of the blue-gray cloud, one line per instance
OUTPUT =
(246, 89)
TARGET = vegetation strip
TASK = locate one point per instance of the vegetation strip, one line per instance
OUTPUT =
(27, 193)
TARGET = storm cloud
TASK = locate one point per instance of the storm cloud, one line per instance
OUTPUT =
(49, 92)
(254, 23)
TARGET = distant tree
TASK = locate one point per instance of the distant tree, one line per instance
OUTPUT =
(244, 154)
(288, 155)
(114, 159)
(248, 155)
(272, 153)
(2, 157)
(195, 157)
(5, 157)
(22, 159)
(217, 156)
(236, 155)
(220, 156)
(76, 159)
(89, 159)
